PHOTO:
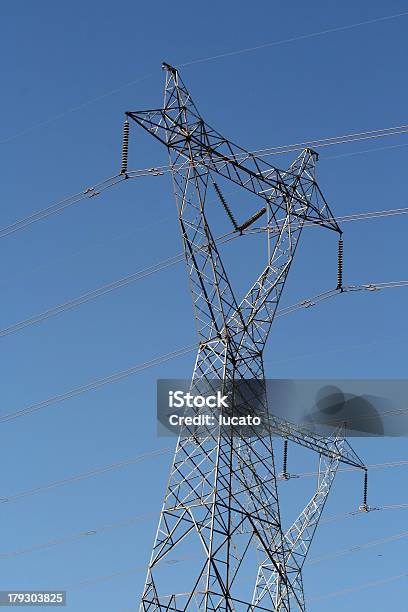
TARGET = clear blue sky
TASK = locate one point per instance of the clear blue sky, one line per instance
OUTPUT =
(59, 132)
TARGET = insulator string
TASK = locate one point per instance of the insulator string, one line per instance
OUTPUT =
(365, 488)
(285, 456)
(284, 473)
(225, 205)
(125, 147)
(252, 219)
(340, 265)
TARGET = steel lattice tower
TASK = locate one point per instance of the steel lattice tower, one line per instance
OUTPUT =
(222, 501)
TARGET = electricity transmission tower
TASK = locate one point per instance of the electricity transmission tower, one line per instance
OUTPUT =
(221, 506)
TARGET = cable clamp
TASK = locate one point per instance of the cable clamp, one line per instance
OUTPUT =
(286, 476)
(367, 508)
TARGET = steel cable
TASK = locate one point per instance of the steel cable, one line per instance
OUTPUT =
(105, 184)
(101, 382)
(158, 267)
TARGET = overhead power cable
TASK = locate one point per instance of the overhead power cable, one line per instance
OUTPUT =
(112, 467)
(339, 517)
(75, 537)
(372, 466)
(100, 291)
(274, 43)
(91, 295)
(329, 141)
(134, 520)
(360, 587)
(158, 267)
(94, 190)
(363, 216)
(292, 39)
(130, 571)
(111, 378)
(357, 548)
(96, 384)
(85, 475)
(60, 205)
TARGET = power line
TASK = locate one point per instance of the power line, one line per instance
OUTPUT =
(111, 378)
(340, 517)
(60, 205)
(74, 109)
(100, 291)
(359, 587)
(200, 61)
(96, 384)
(111, 467)
(365, 151)
(99, 579)
(372, 466)
(129, 571)
(94, 190)
(292, 39)
(363, 216)
(133, 520)
(332, 141)
(84, 475)
(291, 148)
(91, 295)
(357, 548)
(162, 265)
(76, 536)
(347, 591)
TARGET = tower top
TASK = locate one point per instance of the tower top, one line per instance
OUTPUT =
(166, 66)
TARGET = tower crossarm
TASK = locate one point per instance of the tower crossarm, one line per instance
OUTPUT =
(180, 127)
(196, 151)
(323, 445)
